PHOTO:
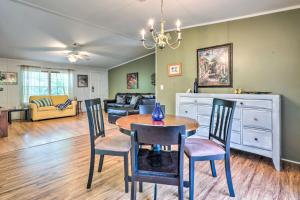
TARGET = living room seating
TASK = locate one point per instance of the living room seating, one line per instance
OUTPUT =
(48, 112)
(116, 145)
(126, 104)
(129, 100)
(217, 146)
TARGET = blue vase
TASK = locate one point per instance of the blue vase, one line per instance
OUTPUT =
(157, 114)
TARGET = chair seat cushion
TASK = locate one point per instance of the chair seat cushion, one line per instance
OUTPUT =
(164, 161)
(116, 142)
(198, 147)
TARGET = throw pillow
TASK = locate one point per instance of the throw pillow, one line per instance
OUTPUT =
(43, 102)
(64, 105)
(134, 100)
(121, 99)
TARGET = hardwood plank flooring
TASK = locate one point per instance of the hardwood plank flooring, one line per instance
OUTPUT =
(59, 170)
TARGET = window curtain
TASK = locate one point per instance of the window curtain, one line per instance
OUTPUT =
(45, 81)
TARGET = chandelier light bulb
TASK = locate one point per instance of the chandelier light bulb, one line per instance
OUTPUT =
(151, 24)
(143, 33)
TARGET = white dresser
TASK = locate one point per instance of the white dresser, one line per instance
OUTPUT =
(256, 125)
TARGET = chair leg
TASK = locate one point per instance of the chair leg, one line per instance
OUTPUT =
(91, 173)
(126, 172)
(133, 190)
(169, 148)
(213, 168)
(155, 191)
(191, 178)
(180, 190)
(100, 163)
(140, 187)
(228, 176)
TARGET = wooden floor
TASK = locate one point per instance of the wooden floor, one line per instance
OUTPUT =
(59, 170)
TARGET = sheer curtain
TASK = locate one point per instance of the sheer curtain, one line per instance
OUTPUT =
(42, 81)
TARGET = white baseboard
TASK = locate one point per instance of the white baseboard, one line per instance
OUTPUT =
(291, 161)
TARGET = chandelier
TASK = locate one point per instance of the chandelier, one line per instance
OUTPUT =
(161, 39)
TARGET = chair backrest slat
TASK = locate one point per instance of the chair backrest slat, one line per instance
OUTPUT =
(95, 118)
(221, 120)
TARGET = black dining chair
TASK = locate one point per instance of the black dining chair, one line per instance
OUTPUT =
(114, 145)
(159, 167)
(217, 146)
(148, 109)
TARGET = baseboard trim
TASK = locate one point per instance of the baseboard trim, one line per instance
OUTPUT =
(290, 161)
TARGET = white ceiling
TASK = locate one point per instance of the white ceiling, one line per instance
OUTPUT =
(109, 29)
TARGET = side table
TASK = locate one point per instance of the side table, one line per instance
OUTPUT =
(25, 110)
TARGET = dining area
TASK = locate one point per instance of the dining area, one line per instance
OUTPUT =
(155, 146)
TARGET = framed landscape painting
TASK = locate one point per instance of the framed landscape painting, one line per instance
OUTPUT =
(8, 78)
(214, 66)
(175, 69)
(132, 81)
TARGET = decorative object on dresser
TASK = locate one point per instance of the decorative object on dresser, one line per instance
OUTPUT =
(175, 69)
(8, 78)
(196, 85)
(82, 80)
(256, 122)
(214, 66)
(3, 122)
(133, 80)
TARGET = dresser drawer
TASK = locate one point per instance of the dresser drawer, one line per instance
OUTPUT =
(236, 125)
(235, 137)
(188, 110)
(257, 118)
(267, 104)
(257, 138)
(205, 101)
(203, 120)
(207, 109)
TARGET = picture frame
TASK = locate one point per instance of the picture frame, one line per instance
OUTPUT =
(82, 80)
(132, 80)
(8, 78)
(214, 66)
(175, 69)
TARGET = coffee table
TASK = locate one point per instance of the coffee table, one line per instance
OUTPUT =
(26, 110)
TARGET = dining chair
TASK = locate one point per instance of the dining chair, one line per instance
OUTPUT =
(114, 145)
(159, 167)
(148, 109)
(217, 146)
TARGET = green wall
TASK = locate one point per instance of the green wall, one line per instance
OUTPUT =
(266, 57)
(117, 76)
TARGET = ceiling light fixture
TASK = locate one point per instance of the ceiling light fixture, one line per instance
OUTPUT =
(162, 39)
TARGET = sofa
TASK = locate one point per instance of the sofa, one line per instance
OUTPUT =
(117, 109)
(145, 99)
(48, 112)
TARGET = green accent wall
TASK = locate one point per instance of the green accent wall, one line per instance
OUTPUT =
(117, 76)
(266, 57)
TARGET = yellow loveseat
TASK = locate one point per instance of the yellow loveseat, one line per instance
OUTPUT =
(48, 112)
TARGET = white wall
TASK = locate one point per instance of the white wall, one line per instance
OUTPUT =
(10, 97)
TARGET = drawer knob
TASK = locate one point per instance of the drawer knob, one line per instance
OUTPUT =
(186, 111)
(195, 101)
(256, 139)
(255, 119)
(241, 103)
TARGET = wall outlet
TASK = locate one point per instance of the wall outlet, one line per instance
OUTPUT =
(161, 87)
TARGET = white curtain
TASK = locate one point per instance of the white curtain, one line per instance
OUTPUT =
(42, 81)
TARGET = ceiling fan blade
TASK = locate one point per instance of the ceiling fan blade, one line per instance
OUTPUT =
(45, 49)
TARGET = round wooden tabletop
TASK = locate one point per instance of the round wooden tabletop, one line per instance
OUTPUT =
(124, 123)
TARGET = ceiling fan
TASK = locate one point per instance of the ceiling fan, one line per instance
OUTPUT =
(75, 54)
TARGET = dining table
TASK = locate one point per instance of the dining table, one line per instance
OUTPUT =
(124, 123)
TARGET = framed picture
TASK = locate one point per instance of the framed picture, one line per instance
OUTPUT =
(82, 80)
(214, 66)
(175, 69)
(133, 80)
(8, 78)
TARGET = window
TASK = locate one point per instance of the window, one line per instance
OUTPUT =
(37, 81)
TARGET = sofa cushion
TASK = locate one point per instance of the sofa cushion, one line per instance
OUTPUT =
(121, 99)
(43, 102)
(134, 99)
(59, 99)
(47, 108)
(64, 105)
(147, 101)
(115, 105)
